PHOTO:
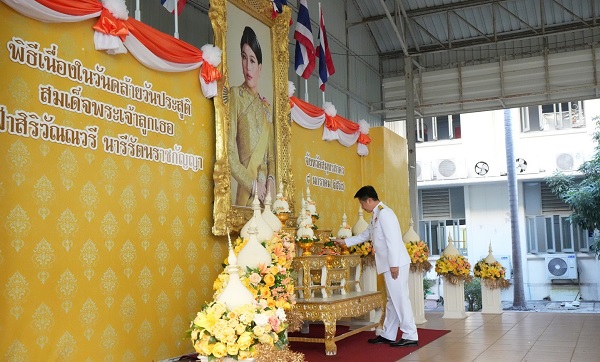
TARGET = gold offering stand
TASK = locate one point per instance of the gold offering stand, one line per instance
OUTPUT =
(331, 291)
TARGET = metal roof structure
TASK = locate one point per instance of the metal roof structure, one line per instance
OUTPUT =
(422, 28)
(474, 55)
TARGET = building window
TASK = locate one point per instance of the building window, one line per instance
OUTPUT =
(553, 117)
(442, 214)
(438, 128)
(556, 234)
(435, 233)
(548, 225)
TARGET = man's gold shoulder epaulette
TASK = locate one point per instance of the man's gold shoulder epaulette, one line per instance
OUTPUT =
(380, 207)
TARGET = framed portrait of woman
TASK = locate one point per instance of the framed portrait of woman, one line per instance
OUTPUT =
(251, 109)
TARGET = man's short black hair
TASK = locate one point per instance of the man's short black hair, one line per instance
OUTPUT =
(366, 192)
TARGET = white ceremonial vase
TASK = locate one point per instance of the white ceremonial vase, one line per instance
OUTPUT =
(269, 217)
(253, 253)
(454, 300)
(490, 298)
(417, 297)
(263, 230)
(369, 284)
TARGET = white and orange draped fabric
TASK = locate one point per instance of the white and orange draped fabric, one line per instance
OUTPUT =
(335, 127)
(115, 32)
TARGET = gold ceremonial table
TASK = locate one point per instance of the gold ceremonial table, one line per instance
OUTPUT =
(330, 309)
(317, 276)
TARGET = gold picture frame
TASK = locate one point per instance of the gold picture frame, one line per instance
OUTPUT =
(225, 213)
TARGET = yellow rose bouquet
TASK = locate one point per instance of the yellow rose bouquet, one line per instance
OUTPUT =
(272, 286)
(419, 256)
(217, 332)
(365, 250)
(362, 249)
(493, 274)
(454, 268)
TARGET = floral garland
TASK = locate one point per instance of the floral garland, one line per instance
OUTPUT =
(493, 274)
(454, 268)
(217, 332)
(419, 256)
(272, 286)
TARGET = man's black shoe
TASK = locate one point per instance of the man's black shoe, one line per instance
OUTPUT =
(379, 339)
(404, 343)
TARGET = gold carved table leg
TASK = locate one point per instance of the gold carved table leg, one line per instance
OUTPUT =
(330, 347)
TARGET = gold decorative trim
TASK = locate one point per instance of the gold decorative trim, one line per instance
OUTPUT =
(225, 214)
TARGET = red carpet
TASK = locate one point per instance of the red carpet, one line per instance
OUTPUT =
(356, 348)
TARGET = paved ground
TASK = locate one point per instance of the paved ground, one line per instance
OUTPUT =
(544, 306)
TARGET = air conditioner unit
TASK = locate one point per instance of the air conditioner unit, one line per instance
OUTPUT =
(568, 161)
(448, 169)
(423, 171)
(561, 266)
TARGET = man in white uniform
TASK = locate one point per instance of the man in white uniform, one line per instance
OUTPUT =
(392, 260)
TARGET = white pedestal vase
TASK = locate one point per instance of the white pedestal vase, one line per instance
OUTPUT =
(369, 284)
(417, 297)
(454, 300)
(490, 299)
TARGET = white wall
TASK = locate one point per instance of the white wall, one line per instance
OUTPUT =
(486, 198)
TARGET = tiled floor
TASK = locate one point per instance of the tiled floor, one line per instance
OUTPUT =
(513, 336)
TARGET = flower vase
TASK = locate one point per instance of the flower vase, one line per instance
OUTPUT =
(490, 299)
(454, 300)
(306, 248)
(283, 217)
(417, 297)
(369, 284)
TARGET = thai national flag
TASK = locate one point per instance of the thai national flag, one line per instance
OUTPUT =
(326, 68)
(170, 5)
(305, 49)
(278, 6)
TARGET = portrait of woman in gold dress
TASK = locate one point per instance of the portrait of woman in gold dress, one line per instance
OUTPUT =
(251, 134)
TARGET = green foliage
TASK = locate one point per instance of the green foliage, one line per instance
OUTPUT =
(584, 196)
(473, 295)
(427, 285)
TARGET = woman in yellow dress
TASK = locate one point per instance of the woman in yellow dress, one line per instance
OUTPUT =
(251, 140)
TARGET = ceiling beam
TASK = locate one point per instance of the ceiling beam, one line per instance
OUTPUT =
(370, 19)
(450, 7)
(502, 37)
(398, 36)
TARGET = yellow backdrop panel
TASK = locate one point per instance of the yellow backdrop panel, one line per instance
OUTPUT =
(331, 172)
(102, 256)
(385, 168)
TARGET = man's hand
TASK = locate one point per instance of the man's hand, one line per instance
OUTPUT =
(394, 271)
(340, 242)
